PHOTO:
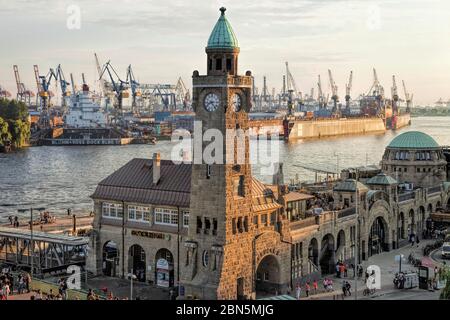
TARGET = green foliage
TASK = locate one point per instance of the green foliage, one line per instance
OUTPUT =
(445, 275)
(5, 135)
(14, 123)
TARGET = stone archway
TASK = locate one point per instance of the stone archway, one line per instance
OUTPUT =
(378, 237)
(164, 268)
(313, 252)
(268, 277)
(340, 246)
(327, 255)
(110, 258)
(136, 262)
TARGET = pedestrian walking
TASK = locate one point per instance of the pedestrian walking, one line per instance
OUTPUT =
(315, 286)
(307, 289)
(298, 291)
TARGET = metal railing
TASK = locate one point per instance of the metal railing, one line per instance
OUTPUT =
(435, 189)
(346, 212)
(406, 196)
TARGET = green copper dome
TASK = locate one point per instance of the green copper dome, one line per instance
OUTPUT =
(222, 36)
(413, 140)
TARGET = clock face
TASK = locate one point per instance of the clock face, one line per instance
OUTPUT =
(236, 102)
(211, 102)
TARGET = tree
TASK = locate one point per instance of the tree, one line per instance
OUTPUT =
(20, 131)
(13, 110)
(444, 274)
(5, 135)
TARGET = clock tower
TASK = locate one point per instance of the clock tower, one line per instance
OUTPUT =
(218, 248)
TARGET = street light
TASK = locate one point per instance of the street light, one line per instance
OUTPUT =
(31, 234)
(132, 277)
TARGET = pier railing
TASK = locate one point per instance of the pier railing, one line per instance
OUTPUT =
(346, 212)
(406, 196)
(435, 189)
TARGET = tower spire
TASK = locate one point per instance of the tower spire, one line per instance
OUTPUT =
(222, 10)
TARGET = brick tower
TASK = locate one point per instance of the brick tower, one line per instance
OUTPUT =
(218, 250)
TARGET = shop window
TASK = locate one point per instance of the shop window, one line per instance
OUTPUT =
(166, 216)
(138, 213)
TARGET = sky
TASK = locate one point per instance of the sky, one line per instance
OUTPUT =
(166, 39)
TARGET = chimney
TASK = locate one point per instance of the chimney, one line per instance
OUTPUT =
(156, 167)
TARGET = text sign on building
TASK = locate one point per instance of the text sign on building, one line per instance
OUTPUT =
(153, 235)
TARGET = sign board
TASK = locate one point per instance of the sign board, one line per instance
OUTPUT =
(399, 257)
(162, 264)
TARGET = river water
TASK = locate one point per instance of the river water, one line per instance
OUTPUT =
(58, 178)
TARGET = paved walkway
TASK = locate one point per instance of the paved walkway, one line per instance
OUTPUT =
(389, 267)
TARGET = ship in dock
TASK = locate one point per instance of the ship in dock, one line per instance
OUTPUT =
(295, 116)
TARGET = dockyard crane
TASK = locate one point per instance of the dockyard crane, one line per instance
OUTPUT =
(23, 94)
(320, 97)
(64, 85)
(408, 98)
(135, 91)
(348, 90)
(73, 84)
(43, 84)
(334, 92)
(183, 94)
(395, 98)
(119, 86)
(290, 81)
(377, 90)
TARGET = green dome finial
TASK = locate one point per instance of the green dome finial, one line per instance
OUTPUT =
(222, 36)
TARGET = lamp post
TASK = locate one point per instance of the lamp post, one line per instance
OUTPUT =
(31, 235)
(132, 277)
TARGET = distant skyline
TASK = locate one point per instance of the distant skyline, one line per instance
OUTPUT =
(164, 40)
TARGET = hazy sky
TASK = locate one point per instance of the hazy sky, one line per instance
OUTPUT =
(166, 39)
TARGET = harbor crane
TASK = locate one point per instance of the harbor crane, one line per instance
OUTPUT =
(290, 81)
(74, 90)
(43, 84)
(334, 92)
(395, 98)
(348, 90)
(135, 91)
(23, 94)
(377, 90)
(320, 98)
(183, 94)
(119, 86)
(408, 98)
(64, 85)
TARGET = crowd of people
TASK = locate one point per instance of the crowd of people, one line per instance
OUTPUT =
(11, 284)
